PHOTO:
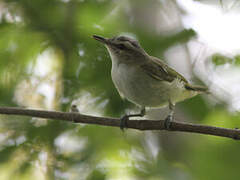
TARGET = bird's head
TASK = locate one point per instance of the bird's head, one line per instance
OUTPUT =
(123, 49)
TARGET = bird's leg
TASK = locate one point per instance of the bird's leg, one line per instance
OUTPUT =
(125, 118)
(168, 120)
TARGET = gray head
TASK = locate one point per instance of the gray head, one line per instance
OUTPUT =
(123, 49)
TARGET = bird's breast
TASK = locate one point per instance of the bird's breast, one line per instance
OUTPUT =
(138, 87)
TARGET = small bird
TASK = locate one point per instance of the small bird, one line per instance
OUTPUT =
(145, 80)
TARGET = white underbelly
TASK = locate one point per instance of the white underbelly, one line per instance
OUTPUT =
(141, 89)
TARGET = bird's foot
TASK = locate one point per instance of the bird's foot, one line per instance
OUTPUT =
(125, 118)
(123, 122)
(168, 122)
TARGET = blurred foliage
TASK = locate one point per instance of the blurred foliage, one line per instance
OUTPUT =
(219, 59)
(79, 72)
(237, 60)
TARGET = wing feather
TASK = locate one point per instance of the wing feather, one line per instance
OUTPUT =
(158, 70)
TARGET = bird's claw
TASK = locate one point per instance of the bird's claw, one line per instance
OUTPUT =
(168, 122)
(123, 122)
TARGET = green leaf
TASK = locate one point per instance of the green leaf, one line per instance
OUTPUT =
(237, 60)
(219, 59)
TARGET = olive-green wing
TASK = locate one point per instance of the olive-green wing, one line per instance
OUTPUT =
(158, 70)
(197, 88)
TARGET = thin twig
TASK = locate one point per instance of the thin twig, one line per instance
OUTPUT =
(133, 124)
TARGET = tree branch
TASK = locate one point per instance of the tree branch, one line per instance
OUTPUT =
(133, 124)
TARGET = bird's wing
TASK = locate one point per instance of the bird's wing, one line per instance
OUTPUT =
(158, 70)
(200, 89)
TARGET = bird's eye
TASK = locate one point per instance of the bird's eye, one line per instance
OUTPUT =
(121, 46)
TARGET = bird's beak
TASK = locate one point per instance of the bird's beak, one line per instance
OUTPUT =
(101, 39)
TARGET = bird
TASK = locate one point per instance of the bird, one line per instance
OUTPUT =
(145, 80)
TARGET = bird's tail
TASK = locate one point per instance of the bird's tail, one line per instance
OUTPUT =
(200, 89)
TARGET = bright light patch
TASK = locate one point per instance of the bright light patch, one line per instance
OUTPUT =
(218, 32)
(216, 28)
(68, 143)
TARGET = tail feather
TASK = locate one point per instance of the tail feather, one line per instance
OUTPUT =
(197, 88)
